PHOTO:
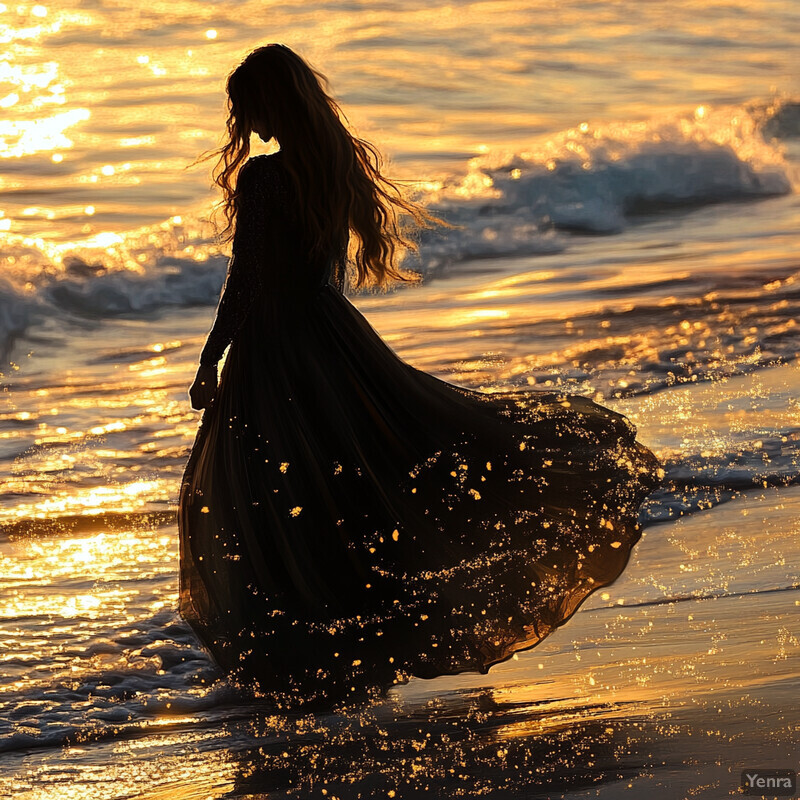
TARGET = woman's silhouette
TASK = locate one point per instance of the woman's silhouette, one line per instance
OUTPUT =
(346, 520)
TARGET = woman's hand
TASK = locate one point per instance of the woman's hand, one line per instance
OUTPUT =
(204, 388)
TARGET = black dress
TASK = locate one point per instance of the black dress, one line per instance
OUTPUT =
(347, 521)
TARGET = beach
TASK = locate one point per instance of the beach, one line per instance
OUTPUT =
(628, 233)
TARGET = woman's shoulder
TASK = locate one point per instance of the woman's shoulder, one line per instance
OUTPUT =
(265, 162)
(262, 174)
(261, 164)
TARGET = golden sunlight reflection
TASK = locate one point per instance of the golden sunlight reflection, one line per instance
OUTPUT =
(88, 501)
(128, 769)
(30, 579)
(25, 138)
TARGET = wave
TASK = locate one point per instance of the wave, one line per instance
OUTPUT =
(17, 313)
(599, 179)
(585, 180)
(128, 685)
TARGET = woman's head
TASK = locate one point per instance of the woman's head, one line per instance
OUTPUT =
(336, 176)
(276, 91)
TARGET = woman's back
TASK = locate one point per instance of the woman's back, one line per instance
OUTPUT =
(270, 241)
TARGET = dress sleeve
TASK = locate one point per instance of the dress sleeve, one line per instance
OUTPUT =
(255, 228)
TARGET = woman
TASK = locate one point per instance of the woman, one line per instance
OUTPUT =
(346, 520)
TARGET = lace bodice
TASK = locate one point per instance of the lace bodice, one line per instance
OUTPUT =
(267, 253)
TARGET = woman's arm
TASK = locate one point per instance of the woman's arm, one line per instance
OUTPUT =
(255, 222)
(245, 272)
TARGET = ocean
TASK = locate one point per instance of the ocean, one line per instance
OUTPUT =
(625, 180)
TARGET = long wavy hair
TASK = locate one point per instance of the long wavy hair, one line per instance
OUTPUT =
(349, 210)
